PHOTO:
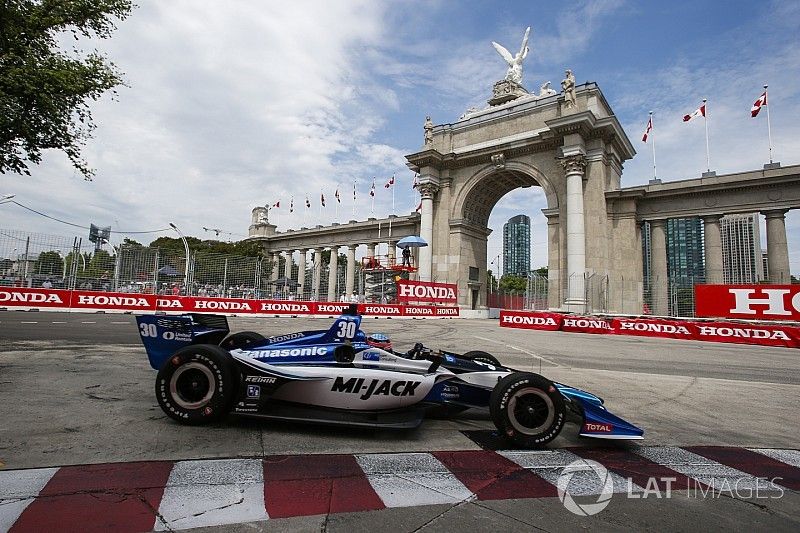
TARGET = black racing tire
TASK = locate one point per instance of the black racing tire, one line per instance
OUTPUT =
(527, 409)
(242, 339)
(481, 357)
(197, 384)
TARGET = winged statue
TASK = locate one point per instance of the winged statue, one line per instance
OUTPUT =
(514, 72)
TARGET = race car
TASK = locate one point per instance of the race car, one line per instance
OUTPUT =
(336, 376)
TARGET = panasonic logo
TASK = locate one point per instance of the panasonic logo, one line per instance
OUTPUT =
(529, 320)
(30, 297)
(291, 352)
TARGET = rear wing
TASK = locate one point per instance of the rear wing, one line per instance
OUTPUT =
(163, 335)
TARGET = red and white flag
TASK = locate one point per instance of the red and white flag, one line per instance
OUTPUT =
(322, 199)
(416, 181)
(762, 100)
(336, 194)
(389, 183)
(700, 112)
(372, 190)
(419, 207)
(647, 131)
(277, 204)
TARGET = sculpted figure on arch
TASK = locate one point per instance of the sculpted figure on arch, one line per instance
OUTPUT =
(514, 72)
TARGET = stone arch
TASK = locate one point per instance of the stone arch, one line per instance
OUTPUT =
(481, 192)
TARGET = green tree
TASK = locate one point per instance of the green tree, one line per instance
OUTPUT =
(49, 263)
(513, 284)
(541, 271)
(44, 91)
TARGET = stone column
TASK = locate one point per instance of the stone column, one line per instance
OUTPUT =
(658, 267)
(301, 274)
(712, 245)
(350, 278)
(287, 273)
(392, 249)
(427, 191)
(371, 249)
(276, 256)
(777, 249)
(333, 274)
(574, 168)
(317, 273)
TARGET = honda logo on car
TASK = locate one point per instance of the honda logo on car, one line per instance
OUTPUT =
(30, 297)
(375, 387)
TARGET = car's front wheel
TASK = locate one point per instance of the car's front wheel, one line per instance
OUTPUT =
(481, 357)
(197, 385)
(528, 409)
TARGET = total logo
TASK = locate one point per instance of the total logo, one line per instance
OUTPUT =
(592, 427)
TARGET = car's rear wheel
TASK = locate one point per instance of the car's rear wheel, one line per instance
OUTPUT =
(242, 340)
(528, 409)
(197, 384)
(481, 357)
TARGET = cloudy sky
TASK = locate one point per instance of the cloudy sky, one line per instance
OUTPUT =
(230, 105)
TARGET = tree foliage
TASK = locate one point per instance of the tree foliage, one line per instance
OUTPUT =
(513, 284)
(44, 91)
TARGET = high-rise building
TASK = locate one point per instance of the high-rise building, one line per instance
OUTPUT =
(517, 246)
(742, 261)
(685, 251)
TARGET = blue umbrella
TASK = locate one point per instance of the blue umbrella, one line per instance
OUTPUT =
(411, 242)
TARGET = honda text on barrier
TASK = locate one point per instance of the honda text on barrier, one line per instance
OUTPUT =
(341, 376)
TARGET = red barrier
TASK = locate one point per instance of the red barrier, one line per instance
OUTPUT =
(749, 302)
(19, 298)
(739, 333)
(426, 292)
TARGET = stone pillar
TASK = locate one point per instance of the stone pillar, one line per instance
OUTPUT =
(317, 273)
(287, 273)
(658, 267)
(574, 168)
(777, 249)
(371, 249)
(427, 191)
(712, 245)
(276, 263)
(333, 274)
(301, 274)
(392, 249)
(349, 283)
(553, 263)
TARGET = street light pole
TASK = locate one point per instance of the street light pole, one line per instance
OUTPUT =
(186, 247)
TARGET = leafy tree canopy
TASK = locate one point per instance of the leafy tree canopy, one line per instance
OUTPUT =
(44, 91)
(511, 283)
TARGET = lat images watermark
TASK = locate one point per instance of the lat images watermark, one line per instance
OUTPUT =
(585, 487)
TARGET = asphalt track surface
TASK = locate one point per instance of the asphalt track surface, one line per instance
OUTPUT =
(77, 402)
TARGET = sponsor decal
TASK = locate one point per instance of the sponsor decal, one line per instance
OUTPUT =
(586, 324)
(169, 303)
(253, 391)
(283, 307)
(449, 358)
(775, 302)
(447, 311)
(450, 392)
(30, 297)
(742, 333)
(592, 427)
(260, 379)
(419, 311)
(289, 352)
(281, 338)
(653, 327)
(529, 320)
(374, 387)
(381, 310)
(101, 300)
(221, 305)
(371, 356)
(332, 308)
(426, 291)
(176, 336)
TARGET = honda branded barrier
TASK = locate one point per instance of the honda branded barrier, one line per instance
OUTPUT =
(59, 299)
(426, 292)
(714, 331)
(750, 302)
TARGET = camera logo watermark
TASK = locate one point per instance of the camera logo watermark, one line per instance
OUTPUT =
(586, 471)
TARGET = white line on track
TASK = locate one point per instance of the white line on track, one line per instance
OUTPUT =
(88, 322)
(121, 323)
(59, 322)
(546, 360)
(27, 322)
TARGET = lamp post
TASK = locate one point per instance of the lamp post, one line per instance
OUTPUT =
(186, 247)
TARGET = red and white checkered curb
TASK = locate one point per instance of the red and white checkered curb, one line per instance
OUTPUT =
(162, 495)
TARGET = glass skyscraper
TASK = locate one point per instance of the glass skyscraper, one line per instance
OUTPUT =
(517, 246)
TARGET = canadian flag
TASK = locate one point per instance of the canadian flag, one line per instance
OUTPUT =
(336, 194)
(277, 204)
(700, 112)
(762, 100)
(419, 208)
(647, 131)
(389, 183)
(416, 181)
(372, 189)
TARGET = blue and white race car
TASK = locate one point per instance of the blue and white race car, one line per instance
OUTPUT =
(336, 376)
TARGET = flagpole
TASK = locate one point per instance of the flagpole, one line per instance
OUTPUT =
(654, 145)
(372, 193)
(705, 121)
(354, 199)
(337, 203)
(769, 128)
(320, 205)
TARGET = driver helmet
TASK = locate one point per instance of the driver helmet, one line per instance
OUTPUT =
(380, 340)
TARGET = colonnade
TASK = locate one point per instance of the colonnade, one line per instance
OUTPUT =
(328, 293)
